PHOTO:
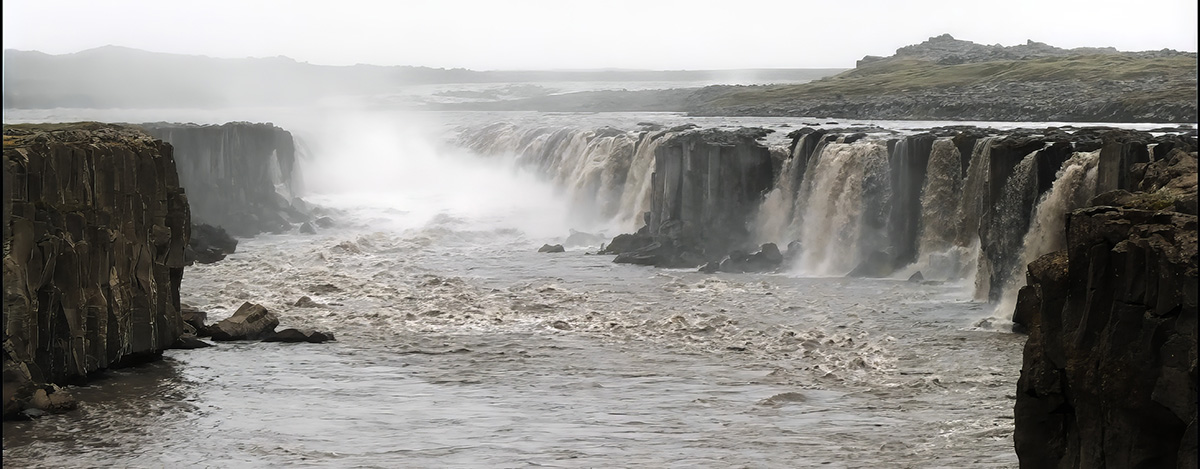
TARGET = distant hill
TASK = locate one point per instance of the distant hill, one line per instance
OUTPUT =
(947, 78)
(112, 76)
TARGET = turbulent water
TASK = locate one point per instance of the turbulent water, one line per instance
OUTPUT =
(461, 346)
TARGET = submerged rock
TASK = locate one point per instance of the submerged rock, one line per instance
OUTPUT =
(299, 335)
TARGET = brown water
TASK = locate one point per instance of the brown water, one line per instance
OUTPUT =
(461, 346)
(468, 349)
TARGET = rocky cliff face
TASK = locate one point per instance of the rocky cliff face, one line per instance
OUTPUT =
(239, 176)
(95, 224)
(1109, 372)
(705, 188)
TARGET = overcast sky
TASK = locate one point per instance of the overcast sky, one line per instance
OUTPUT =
(563, 34)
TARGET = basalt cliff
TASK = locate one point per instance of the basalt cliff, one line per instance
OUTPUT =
(95, 225)
(1109, 372)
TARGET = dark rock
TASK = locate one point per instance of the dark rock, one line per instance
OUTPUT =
(711, 267)
(706, 186)
(579, 238)
(306, 302)
(307, 228)
(230, 174)
(299, 335)
(188, 342)
(323, 288)
(95, 225)
(250, 321)
(1109, 371)
(324, 222)
(627, 243)
(209, 244)
(193, 317)
(878, 264)
(561, 325)
(916, 277)
(551, 248)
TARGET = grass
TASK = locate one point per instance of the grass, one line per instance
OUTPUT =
(906, 75)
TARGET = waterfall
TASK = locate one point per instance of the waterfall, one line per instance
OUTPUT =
(1006, 223)
(604, 173)
(835, 206)
(777, 217)
(1074, 185)
(939, 256)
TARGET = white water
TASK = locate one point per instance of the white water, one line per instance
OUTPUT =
(1074, 185)
(460, 346)
(833, 207)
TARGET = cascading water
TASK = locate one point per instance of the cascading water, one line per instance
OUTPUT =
(605, 173)
(1074, 185)
(834, 206)
(778, 216)
(939, 254)
(1005, 225)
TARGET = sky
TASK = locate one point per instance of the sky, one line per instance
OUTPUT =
(568, 34)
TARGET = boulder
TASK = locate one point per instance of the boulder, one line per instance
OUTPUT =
(299, 335)
(551, 248)
(250, 321)
(579, 238)
(193, 317)
(209, 244)
(306, 302)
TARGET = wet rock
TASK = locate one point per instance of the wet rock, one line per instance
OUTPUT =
(878, 264)
(95, 226)
(579, 238)
(916, 277)
(1108, 377)
(188, 342)
(250, 321)
(231, 173)
(706, 184)
(711, 267)
(627, 243)
(551, 248)
(193, 317)
(561, 325)
(307, 228)
(306, 302)
(323, 288)
(299, 335)
(324, 222)
(209, 244)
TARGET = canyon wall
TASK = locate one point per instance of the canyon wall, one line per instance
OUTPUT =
(95, 224)
(1109, 371)
(240, 176)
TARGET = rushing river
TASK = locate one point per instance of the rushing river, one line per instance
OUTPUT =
(459, 345)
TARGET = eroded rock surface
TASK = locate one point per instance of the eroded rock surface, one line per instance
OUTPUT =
(1109, 372)
(95, 226)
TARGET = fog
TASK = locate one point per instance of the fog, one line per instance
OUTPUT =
(546, 34)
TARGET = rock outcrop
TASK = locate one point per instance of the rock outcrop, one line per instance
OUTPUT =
(250, 321)
(706, 186)
(239, 176)
(1109, 372)
(95, 225)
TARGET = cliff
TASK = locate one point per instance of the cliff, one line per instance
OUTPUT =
(95, 225)
(239, 176)
(705, 189)
(1109, 371)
